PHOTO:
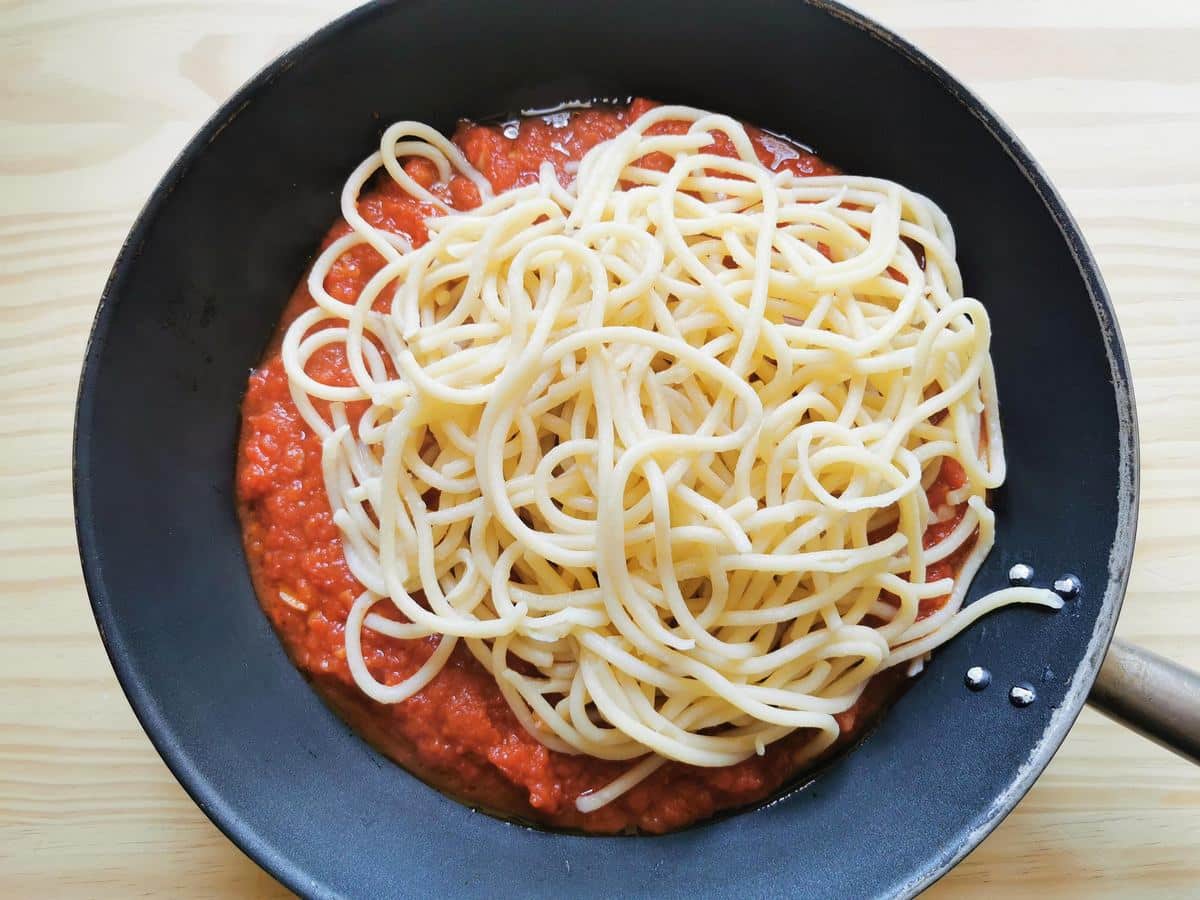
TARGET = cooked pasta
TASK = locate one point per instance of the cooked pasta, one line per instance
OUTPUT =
(655, 444)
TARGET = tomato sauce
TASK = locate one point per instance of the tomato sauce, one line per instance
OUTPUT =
(458, 733)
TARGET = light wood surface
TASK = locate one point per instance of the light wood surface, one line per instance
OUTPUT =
(97, 98)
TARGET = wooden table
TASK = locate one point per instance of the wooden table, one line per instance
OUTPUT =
(98, 98)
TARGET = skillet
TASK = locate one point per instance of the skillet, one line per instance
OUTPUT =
(201, 281)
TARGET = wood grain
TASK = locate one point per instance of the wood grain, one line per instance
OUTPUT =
(97, 98)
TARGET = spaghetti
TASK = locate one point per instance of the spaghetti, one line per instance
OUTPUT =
(655, 445)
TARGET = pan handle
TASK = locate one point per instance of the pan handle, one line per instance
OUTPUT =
(1154, 696)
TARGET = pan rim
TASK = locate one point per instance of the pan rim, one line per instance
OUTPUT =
(149, 714)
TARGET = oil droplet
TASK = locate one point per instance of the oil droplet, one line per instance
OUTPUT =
(511, 130)
(1022, 695)
(1020, 574)
(560, 119)
(978, 678)
(1068, 587)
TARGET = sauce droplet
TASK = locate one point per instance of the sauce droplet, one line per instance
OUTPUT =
(1067, 587)
(917, 248)
(978, 678)
(1022, 695)
(1020, 574)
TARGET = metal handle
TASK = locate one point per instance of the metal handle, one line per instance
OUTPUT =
(1154, 696)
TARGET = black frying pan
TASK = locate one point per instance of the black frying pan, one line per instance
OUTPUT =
(202, 279)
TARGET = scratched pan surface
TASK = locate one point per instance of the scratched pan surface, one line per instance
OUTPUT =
(200, 284)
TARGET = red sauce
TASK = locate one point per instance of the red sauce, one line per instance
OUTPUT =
(458, 733)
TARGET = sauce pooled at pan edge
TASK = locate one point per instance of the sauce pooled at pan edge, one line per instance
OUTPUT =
(458, 733)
